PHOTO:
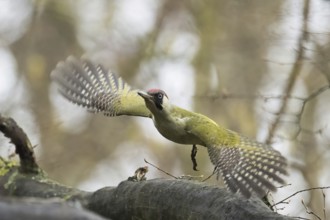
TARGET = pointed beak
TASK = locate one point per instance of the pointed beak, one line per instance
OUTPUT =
(145, 96)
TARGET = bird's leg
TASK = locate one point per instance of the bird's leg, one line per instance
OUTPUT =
(193, 157)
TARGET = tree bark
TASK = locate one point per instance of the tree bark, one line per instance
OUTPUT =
(41, 209)
(148, 199)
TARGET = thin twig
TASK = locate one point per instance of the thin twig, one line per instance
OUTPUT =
(284, 185)
(324, 212)
(167, 173)
(300, 191)
(298, 217)
(214, 171)
(310, 212)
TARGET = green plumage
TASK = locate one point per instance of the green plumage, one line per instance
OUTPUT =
(246, 166)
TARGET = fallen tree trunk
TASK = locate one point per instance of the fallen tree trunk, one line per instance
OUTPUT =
(148, 199)
(42, 209)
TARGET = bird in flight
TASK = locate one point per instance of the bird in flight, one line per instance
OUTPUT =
(246, 166)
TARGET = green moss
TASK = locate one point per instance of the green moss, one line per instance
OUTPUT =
(6, 166)
(11, 180)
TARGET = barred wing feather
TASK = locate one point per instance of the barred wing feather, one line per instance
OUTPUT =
(246, 166)
(98, 90)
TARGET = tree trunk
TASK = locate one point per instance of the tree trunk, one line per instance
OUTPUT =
(131, 199)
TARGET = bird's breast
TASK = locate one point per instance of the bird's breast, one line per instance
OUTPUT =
(174, 130)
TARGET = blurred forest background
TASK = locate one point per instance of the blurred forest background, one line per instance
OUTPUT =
(261, 68)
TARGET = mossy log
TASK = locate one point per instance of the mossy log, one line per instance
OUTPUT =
(25, 190)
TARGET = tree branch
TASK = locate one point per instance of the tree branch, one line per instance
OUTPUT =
(41, 209)
(22, 144)
(295, 70)
(152, 199)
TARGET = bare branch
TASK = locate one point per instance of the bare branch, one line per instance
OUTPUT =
(324, 212)
(22, 144)
(295, 70)
(163, 171)
(310, 212)
(298, 217)
(300, 191)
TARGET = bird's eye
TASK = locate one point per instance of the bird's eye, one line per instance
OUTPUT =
(160, 96)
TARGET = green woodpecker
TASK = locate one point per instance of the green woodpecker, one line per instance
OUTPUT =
(246, 166)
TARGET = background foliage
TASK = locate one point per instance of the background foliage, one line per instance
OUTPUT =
(257, 67)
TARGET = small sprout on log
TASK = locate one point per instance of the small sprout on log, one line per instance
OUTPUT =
(139, 175)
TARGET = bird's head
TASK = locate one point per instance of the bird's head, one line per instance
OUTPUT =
(156, 100)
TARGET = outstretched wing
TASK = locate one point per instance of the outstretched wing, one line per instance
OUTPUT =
(91, 86)
(246, 166)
